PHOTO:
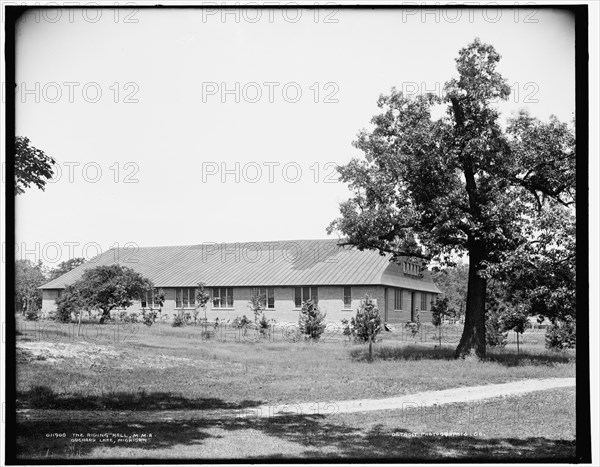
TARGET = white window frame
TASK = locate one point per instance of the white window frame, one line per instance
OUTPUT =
(268, 291)
(191, 300)
(223, 299)
(303, 298)
(347, 306)
(149, 293)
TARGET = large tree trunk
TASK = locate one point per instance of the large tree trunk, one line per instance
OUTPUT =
(104, 316)
(473, 337)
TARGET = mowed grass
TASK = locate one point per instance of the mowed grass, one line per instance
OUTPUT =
(538, 426)
(266, 371)
(115, 369)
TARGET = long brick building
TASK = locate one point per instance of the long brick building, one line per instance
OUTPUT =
(286, 273)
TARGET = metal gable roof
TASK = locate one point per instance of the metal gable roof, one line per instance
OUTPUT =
(281, 263)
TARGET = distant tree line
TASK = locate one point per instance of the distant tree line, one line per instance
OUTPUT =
(30, 275)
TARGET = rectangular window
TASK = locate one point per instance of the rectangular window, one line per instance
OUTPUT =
(411, 268)
(222, 297)
(148, 299)
(303, 294)
(298, 297)
(397, 299)
(314, 295)
(270, 298)
(267, 295)
(185, 297)
(347, 296)
(424, 301)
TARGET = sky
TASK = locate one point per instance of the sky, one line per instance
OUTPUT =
(183, 126)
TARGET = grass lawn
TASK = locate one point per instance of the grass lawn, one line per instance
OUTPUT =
(537, 426)
(118, 368)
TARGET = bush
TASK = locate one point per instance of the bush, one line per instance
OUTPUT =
(311, 321)
(439, 312)
(561, 335)
(149, 317)
(263, 325)
(131, 318)
(514, 319)
(177, 321)
(495, 336)
(414, 326)
(70, 302)
(348, 330)
(367, 322)
(31, 315)
(240, 322)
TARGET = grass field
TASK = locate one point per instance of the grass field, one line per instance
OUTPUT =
(148, 371)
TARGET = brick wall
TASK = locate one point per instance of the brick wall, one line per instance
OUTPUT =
(331, 302)
(49, 297)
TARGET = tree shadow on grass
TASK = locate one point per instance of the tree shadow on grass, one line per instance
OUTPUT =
(303, 436)
(416, 352)
(43, 397)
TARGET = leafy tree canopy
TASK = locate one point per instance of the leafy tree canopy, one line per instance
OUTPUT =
(65, 267)
(109, 287)
(430, 188)
(28, 277)
(32, 166)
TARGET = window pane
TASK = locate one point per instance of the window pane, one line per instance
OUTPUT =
(216, 298)
(270, 297)
(262, 293)
(230, 297)
(314, 294)
(347, 297)
(298, 297)
(177, 298)
(305, 293)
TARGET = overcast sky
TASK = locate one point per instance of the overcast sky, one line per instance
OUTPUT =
(143, 110)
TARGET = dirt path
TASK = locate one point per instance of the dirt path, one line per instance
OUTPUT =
(427, 399)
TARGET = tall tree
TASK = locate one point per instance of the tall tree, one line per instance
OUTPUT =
(432, 188)
(65, 267)
(32, 166)
(28, 277)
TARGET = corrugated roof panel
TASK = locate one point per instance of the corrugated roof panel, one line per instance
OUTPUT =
(286, 263)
